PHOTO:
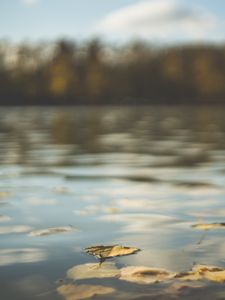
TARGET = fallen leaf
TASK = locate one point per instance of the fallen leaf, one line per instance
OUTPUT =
(145, 275)
(104, 252)
(52, 230)
(211, 273)
(93, 271)
(198, 272)
(207, 226)
(83, 291)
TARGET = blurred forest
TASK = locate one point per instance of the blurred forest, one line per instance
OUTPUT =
(94, 73)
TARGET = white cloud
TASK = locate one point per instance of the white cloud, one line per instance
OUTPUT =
(161, 20)
(30, 2)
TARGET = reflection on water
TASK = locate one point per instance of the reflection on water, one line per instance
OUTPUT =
(22, 255)
(139, 177)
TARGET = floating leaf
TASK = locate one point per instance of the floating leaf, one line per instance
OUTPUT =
(83, 291)
(207, 226)
(145, 275)
(120, 250)
(93, 271)
(218, 276)
(211, 273)
(52, 230)
(198, 272)
(104, 252)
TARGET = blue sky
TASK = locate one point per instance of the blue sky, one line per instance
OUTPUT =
(113, 20)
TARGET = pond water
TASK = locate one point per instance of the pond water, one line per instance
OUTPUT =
(138, 177)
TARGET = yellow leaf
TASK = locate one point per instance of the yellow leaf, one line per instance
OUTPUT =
(211, 273)
(198, 272)
(104, 252)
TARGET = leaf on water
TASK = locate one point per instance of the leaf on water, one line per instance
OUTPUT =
(104, 252)
(83, 291)
(211, 273)
(218, 276)
(145, 275)
(93, 271)
(52, 230)
(207, 226)
(118, 250)
(198, 272)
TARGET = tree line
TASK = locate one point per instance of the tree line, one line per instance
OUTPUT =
(94, 73)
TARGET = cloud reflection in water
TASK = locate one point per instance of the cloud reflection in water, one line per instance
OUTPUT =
(21, 255)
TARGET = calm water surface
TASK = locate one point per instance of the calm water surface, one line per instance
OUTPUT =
(132, 176)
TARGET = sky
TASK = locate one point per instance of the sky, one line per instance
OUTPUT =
(169, 21)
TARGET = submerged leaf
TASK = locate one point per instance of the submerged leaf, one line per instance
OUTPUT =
(145, 275)
(52, 230)
(83, 291)
(104, 252)
(93, 271)
(207, 226)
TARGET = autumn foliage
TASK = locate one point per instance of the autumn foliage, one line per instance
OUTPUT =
(94, 73)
